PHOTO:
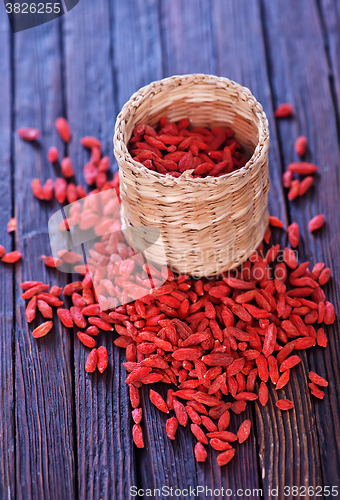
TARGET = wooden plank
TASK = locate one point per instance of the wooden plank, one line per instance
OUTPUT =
(160, 462)
(106, 465)
(299, 74)
(139, 62)
(7, 424)
(189, 47)
(137, 57)
(183, 27)
(330, 20)
(43, 375)
(241, 56)
(187, 38)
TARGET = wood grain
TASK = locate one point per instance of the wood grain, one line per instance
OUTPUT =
(43, 375)
(137, 57)
(187, 37)
(7, 397)
(65, 434)
(137, 61)
(329, 12)
(306, 86)
(106, 465)
(241, 54)
(189, 47)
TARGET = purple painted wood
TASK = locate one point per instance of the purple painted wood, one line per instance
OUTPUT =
(45, 465)
(7, 397)
(299, 54)
(242, 55)
(105, 457)
(329, 11)
(66, 434)
(137, 57)
(190, 45)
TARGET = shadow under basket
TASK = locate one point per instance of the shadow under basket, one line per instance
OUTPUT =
(207, 225)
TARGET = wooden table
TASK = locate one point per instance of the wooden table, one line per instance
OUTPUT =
(65, 434)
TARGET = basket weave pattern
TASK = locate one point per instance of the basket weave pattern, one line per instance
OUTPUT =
(207, 225)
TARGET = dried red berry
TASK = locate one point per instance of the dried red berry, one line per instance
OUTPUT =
(317, 379)
(225, 457)
(137, 435)
(102, 360)
(244, 431)
(86, 340)
(42, 329)
(63, 128)
(275, 221)
(200, 452)
(302, 168)
(91, 362)
(90, 142)
(171, 427)
(66, 167)
(285, 404)
(28, 133)
(284, 110)
(158, 401)
(53, 154)
(300, 145)
(11, 257)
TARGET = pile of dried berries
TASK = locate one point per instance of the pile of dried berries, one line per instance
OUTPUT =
(174, 148)
(209, 339)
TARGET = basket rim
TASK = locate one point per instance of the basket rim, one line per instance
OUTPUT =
(131, 106)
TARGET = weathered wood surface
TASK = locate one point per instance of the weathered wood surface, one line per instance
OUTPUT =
(306, 86)
(106, 465)
(242, 56)
(329, 12)
(44, 400)
(68, 435)
(7, 318)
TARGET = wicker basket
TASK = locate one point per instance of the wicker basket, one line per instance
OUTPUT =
(207, 225)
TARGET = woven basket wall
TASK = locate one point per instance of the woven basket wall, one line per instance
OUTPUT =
(207, 225)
